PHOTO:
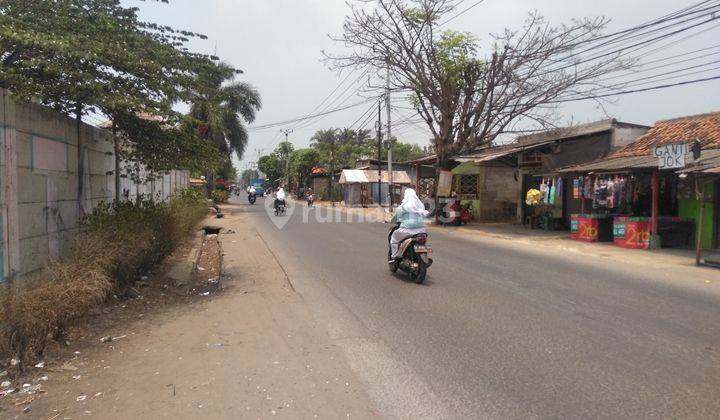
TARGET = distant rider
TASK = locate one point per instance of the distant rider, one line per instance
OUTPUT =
(280, 197)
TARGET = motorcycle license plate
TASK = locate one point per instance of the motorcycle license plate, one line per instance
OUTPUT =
(421, 249)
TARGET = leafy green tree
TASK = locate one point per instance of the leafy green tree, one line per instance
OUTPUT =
(221, 105)
(271, 166)
(249, 174)
(302, 161)
(83, 57)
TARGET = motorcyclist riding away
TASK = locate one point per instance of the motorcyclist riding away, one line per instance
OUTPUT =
(279, 197)
(411, 217)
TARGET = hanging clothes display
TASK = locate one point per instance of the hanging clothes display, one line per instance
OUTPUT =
(600, 194)
(587, 189)
(610, 202)
(559, 189)
(551, 193)
(576, 188)
(544, 190)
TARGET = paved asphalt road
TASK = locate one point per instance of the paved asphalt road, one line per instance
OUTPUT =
(508, 331)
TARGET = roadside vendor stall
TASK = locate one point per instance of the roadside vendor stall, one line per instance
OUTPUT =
(629, 202)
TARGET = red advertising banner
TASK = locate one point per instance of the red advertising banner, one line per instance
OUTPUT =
(584, 228)
(631, 232)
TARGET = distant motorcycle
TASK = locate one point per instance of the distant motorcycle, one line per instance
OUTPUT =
(252, 197)
(310, 200)
(279, 207)
(414, 256)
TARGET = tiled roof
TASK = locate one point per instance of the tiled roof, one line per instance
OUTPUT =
(704, 127)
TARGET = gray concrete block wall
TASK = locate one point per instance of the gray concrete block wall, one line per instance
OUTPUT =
(39, 202)
(498, 193)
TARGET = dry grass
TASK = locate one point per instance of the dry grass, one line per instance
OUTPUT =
(116, 245)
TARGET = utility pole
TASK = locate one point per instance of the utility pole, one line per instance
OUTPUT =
(379, 156)
(287, 157)
(389, 136)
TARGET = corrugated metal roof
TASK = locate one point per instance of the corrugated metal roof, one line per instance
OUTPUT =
(709, 159)
(574, 131)
(360, 176)
(704, 127)
(615, 164)
(353, 176)
(709, 163)
(496, 152)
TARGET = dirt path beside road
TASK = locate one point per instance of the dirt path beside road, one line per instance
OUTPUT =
(253, 351)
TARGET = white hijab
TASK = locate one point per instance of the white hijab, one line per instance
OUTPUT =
(412, 203)
(280, 195)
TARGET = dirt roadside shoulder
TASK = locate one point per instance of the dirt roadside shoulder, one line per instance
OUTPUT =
(253, 351)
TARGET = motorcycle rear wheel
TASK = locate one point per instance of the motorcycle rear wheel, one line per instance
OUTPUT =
(419, 277)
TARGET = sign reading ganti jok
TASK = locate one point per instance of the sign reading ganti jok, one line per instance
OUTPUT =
(671, 156)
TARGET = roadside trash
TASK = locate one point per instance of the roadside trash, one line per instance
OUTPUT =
(44, 378)
(30, 389)
(27, 409)
(81, 398)
(77, 352)
(97, 395)
(214, 280)
(201, 269)
(132, 293)
(68, 366)
(14, 362)
(205, 294)
(109, 338)
(6, 384)
(40, 365)
(77, 377)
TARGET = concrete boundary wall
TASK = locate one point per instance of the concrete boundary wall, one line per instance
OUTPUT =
(41, 196)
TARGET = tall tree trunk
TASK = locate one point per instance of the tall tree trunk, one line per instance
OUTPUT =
(80, 161)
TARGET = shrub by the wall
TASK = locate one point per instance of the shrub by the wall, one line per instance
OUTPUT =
(117, 243)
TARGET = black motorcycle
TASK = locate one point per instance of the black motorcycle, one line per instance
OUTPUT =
(310, 200)
(414, 256)
(279, 207)
(252, 198)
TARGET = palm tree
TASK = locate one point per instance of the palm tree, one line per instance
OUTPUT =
(221, 105)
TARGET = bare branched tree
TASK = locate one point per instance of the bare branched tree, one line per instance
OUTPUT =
(467, 98)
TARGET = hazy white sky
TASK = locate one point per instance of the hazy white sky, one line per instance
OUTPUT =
(278, 44)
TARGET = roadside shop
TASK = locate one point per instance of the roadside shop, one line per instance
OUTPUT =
(651, 193)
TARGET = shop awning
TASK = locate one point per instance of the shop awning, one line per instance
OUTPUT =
(708, 162)
(615, 164)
